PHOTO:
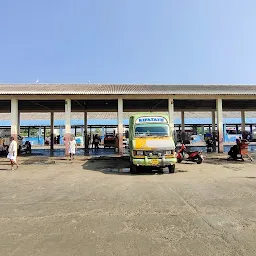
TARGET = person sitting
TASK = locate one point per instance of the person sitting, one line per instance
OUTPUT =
(235, 150)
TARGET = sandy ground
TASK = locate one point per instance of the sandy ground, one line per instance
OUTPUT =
(90, 207)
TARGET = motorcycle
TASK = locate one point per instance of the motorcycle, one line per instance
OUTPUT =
(183, 154)
(26, 147)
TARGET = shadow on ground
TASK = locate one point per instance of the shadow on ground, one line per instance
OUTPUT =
(121, 166)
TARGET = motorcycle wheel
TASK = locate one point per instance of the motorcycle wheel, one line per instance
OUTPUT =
(199, 160)
(179, 160)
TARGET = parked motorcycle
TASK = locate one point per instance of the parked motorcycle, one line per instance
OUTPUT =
(26, 147)
(183, 154)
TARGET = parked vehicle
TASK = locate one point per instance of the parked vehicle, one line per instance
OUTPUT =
(151, 142)
(184, 155)
(26, 147)
(109, 140)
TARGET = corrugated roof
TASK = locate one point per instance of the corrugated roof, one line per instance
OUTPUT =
(125, 89)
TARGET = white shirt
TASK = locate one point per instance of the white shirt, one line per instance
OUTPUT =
(72, 145)
(13, 148)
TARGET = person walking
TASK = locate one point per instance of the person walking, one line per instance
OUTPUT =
(12, 153)
(96, 141)
(72, 148)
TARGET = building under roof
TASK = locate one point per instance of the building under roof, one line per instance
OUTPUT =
(126, 98)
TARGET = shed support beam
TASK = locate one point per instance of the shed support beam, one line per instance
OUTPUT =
(120, 126)
(243, 121)
(220, 125)
(52, 131)
(214, 130)
(86, 139)
(14, 118)
(182, 126)
(171, 116)
(44, 134)
(182, 121)
(67, 124)
(18, 130)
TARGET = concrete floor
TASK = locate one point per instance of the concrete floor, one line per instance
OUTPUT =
(56, 207)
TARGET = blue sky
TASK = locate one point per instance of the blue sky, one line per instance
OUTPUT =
(128, 41)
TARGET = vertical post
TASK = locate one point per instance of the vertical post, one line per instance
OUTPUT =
(90, 135)
(171, 115)
(182, 126)
(251, 129)
(18, 130)
(213, 122)
(182, 121)
(75, 131)
(243, 120)
(220, 125)
(29, 131)
(39, 135)
(237, 129)
(86, 141)
(67, 124)
(61, 135)
(14, 118)
(225, 135)
(120, 126)
(243, 124)
(44, 134)
(52, 131)
(214, 131)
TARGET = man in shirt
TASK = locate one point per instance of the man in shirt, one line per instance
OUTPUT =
(12, 153)
(72, 148)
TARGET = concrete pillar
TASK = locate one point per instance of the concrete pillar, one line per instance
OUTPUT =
(39, 135)
(183, 126)
(237, 129)
(120, 126)
(18, 130)
(243, 121)
(52, 131)
(44, 134)
(90, 135)
(14, 118)
(67, 124)
(182, 121)
(171, 115)
(220, 125)
(213, 121)
(29, 131)
(86, 142)
(214, 131)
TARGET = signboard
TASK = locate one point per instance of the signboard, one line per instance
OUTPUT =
(151, 119)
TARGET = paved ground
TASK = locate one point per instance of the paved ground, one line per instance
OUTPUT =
(54, 207)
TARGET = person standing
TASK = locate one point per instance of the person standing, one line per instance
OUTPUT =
(12, 153)
(72, 148)
(97, 141)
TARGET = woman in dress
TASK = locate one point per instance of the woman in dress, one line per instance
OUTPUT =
(12, 153)
(72, 148)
